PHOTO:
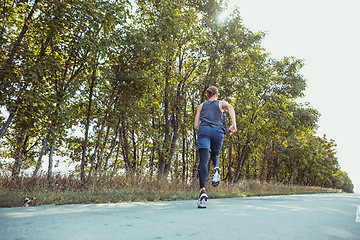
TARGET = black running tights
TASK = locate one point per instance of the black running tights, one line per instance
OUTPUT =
(203, 165)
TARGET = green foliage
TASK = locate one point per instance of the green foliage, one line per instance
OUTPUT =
(134, 75)
(342, 181)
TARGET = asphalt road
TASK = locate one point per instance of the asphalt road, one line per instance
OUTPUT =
(318, 216)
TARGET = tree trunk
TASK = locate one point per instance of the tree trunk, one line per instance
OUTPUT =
(93, 156)
(163, 150)
(268, 172)
(170, 152)
(153, 149)
(38, 163)
(183, 155)
(112, 148)
(7, 124)
(82, 171)
(22, 34)
(134, 148)
(151, 164)
(241, 162)
(18, 155)
(116, 159)
(175, 121)
(229, 174)
(51, 154)
(99, 160)
(172, 149)
(248, 174)
(111, 102)
(45, 44)
(125, 147)
(197, 158)
(141, 158)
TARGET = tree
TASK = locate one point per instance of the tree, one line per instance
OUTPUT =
(115, 91)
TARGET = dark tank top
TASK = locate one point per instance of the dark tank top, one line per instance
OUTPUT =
(212, 116)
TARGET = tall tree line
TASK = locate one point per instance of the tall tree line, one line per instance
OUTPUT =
(129, 75)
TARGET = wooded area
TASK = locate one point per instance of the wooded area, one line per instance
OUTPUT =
(113, 88)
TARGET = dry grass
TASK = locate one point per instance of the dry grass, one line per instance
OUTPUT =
(68, 190)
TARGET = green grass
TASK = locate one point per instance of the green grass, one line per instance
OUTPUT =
(133, 190)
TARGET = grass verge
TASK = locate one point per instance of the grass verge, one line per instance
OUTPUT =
(133, 190)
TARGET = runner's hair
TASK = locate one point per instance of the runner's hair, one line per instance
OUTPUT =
(211, 91)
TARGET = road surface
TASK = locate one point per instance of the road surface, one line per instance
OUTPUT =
(317, 216)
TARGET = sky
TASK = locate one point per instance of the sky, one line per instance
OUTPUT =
(325, 34)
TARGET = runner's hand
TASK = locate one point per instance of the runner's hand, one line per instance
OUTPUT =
(232, 129)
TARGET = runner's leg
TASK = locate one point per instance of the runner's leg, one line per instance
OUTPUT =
(215, 159)
(203, 169)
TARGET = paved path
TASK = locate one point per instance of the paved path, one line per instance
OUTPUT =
(318, 216)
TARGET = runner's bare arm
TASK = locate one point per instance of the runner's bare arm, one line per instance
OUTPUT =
(197, 117)
(226, 106)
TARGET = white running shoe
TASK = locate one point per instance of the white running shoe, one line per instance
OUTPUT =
(216, 177)
(202, 202)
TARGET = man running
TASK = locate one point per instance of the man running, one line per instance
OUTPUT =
(210, 120)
